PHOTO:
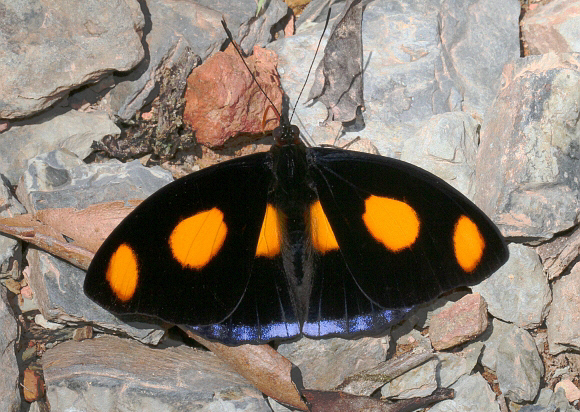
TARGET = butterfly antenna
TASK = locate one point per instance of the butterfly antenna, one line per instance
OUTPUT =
(247, 67)
(311, 64)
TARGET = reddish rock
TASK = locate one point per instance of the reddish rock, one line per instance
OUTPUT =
(86, 332)
(461, 322)
(32, 385)
(571, 390)
(222, 99)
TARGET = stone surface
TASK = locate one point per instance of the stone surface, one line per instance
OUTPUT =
(72, 130)
(563, 321)
(32, 385)
(413, 64)
(558, 254)
(461, 322)
(518, 292)
(453, 366)
(553, 27)
(492, 338)
(325, 363)
(519, 368)
(420, 381)
(571, 390)
(10, 248)
(9, 378)
(446, 145)
(52, 47)
(472, 394)
(223, 100)
(529, 149)
(112, 374)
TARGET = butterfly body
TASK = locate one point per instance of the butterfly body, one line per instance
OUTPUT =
(313, 241)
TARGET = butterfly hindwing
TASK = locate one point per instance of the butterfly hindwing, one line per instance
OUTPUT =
(188, 254)
(403, 237)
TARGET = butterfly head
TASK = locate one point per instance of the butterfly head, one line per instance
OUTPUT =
(286, 134)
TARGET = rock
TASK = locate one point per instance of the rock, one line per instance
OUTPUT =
(519, 368)
(223, 99)
(453, 366)
(571, 390)
(491, 339)
(111, 374)
(472, 394)
(53, 48)
(347, 357)
(10, 248)
(463, 321)
(418, 382)
(414, 65)
(446, 145)
(563, 321)
(32, 385)
(529, 149)
(73, 131)
(9, 378)
(559, 253)
(518, 292)
(553, 27)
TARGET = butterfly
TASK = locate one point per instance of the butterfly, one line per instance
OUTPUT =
(311, 241)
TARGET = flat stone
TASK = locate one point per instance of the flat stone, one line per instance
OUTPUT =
(518, 292)
(51, 48)
(9, 378)
(72, 130)
(563, 321)
(553, 27)
(519, 368)
(418, 382)
(460, 323)
(528, 151)
(472, 393)
(346, 356)
(111, 374)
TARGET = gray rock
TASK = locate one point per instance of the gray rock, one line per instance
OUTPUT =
(518, 292)
(347, 357)
(10, 248)
(177, 27)
(563, 321)
(59, 179)
(9, 378)
(453, 366)
(493, 337)
(73, 131)
(418, 382)
(111, 374)
(472, 394)
(529, 151)
(53, 47)
(553, 27)
(446, 145)
(519, 368)
(410, 75)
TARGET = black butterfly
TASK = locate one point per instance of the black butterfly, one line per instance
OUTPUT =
(312, 241)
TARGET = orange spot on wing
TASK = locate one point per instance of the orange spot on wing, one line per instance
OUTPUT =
(391, 222)
(123, 272)
(323, 238)
(197, 239)
(468, 244)
(269, 240)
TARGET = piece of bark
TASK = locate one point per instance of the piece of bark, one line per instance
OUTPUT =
(265, 368)
(326, 401)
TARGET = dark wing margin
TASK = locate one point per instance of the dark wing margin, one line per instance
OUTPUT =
(226, 288)
(419, 265)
